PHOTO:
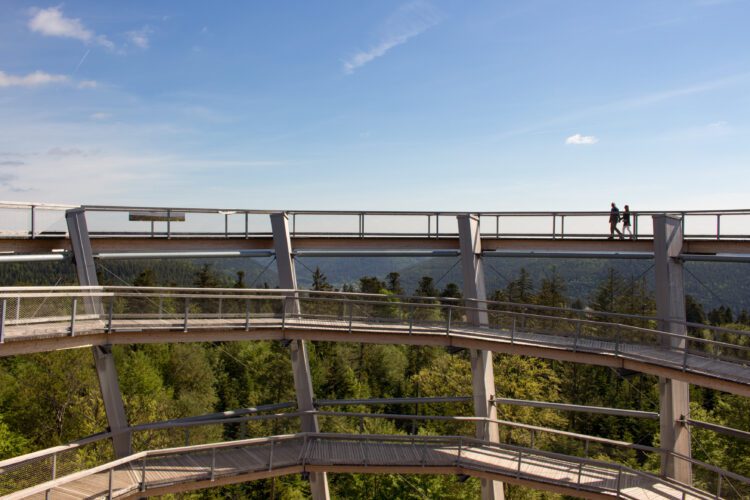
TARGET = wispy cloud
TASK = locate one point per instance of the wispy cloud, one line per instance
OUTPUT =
(87, 84)
(140, 38)
(52, 22)
(631, 103)
(12, 163)
(408, 21)
(100, 116)
(34, 79)
(581, 140)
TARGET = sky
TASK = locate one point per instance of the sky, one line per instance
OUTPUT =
(387, 105)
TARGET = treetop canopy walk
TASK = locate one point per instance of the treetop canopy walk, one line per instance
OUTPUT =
(678, 352)
(38, 229)
(44, 319)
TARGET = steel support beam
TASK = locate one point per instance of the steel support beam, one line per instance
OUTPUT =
(300, 362)
(674, 395)
(482, 372)
(104, 361)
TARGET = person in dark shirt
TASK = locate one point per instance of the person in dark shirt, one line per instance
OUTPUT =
(626, 222)
(614, 218)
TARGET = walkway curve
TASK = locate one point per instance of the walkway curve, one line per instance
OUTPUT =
(194, 467)
(45, 322)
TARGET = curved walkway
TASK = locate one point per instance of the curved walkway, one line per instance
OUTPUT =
(194, 467)
(41, 324)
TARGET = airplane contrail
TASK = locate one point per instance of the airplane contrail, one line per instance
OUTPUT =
(81, 61)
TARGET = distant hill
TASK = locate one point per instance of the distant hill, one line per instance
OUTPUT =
(712, 284)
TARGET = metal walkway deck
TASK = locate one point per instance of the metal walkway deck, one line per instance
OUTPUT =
(187, 468)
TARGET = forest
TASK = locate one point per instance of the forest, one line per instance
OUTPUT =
(53, 398)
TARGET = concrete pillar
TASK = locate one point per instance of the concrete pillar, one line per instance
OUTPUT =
(482, 372)
(674, 395)
(300, 362)
(104, 361)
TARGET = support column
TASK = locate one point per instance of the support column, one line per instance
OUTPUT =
(482, 372)
(674, 395)
(104, 361)
(300, 362)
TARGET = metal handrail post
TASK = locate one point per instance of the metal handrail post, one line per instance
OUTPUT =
(110, 314)
(429, 226)
(247, 315)
(554, 226)
(283, 314)
(73, 317)
(580, 473)
(562, 227)
(718, 227)
(33, 222)
(213, 463)
(458, 457)
(109, 490)
(247, 235)
(187, 312)
(718, 486)
(578, 334)
(226, 225)
(3, 307)
(143, 474)
(518, 471)
(513, 330)
(270, 458)
(351, 316)
(448, 322)
(411, 319)
(619, 479)
(169, 224)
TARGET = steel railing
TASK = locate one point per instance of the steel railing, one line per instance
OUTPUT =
(25, 220)
(71, 311)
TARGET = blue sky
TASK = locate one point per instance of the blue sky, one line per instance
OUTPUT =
(434, 105)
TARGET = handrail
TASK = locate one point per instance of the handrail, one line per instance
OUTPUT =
(12, 291)
(459, 441)
(429, 230)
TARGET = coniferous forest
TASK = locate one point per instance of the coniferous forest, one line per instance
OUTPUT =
(53, 398)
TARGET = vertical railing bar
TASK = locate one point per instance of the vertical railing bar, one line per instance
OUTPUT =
(562, 226)
(111, 475)
(351, 316)
(161, 306)
(270, 458)
(437, 225)
(247, 234)
(187, 311)
(513, 330)
(152, 229)
(213, 463)
(635, 226)
(110, 313)
(221, 303)
(18, 308)
(518, 471)
(554, 226)
(247, 315)
(429, 226)
(411, 319)
(294, 224)
(619, 478)
(226, 225)
(33, 222)
(143, 474)
(448, 323)
(718, 486)
(3, 307)
(73, 317)
(54, 466)
(169, 223)
(497, 226)
(718, 227)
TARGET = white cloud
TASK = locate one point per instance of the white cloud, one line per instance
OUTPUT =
(578, 139)
(100, 116)
(34, 79)
(52, 22)
(87, 84)
(408, 21)
(139, 38)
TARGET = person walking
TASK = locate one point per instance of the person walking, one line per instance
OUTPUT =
(614, 218)
(626, 223)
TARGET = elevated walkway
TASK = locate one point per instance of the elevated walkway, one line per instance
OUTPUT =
(187, 468)
(710, 357)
